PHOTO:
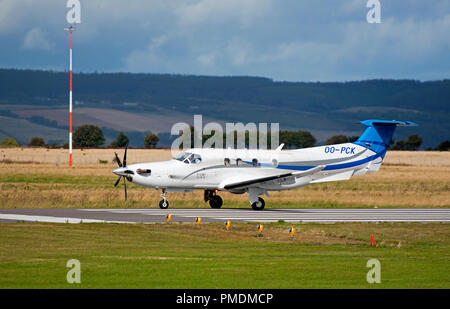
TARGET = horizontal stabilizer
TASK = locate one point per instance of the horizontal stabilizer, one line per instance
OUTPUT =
(371, 122)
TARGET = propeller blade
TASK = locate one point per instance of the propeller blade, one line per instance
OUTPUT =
(125, 184)
(118, 160)
(125, 156)
(117, 182)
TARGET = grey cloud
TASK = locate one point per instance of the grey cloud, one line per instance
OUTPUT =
(36, 39)
(288, 39)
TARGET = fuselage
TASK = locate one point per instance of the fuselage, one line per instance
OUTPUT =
(214, 168)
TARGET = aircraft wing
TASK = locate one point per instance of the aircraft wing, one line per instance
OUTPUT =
(261, 180)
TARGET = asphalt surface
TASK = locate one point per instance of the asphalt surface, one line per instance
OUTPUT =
(69, 215)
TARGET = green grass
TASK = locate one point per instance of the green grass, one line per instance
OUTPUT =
(412, 255)
(106, 182)
(64, 190)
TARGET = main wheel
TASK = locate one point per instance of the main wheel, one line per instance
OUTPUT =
(259, 205)
(164, 204)
(215, 201)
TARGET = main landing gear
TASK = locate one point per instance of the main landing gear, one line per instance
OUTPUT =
(164, 203)
(256, 201)
(259, 204)
(215, 201)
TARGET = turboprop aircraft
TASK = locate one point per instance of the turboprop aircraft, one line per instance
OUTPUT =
(257, 172)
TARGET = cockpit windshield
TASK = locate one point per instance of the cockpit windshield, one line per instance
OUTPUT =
(189, 158)
(182, 156)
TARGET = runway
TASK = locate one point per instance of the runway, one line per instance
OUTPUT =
(322, 215)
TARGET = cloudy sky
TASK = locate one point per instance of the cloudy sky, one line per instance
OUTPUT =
(295, 40)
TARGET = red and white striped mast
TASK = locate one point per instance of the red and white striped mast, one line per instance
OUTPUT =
(70, 29)
(73, 17)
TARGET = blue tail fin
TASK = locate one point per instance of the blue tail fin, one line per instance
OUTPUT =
(379, 133)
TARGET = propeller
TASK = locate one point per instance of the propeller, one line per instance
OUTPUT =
(122, 165)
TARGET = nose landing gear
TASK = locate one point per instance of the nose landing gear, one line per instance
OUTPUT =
(215, 201)
(164, 203)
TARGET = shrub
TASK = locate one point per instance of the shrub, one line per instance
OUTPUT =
(88, 136)
(151, 140)
(9, 142)
(36, 142)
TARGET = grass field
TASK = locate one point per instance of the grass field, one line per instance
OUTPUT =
(407, 179)
(34, 255)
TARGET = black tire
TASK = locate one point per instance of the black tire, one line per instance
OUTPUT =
(259, 205)
(216, 202)
(164, 204)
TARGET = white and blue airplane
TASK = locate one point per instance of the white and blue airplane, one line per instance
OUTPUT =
(257, 172)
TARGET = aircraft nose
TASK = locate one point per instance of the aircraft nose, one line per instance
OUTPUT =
(120, 171)
(123, 171)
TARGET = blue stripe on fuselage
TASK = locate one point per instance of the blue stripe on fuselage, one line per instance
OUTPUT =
(328, 167)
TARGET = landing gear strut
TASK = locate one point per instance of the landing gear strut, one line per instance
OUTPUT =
(215, 201)
(256, 201)
(164, 203)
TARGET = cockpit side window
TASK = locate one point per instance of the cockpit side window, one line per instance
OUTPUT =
(189, 158)
(195, 158)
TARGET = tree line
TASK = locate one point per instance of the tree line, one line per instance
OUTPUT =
(91, 136)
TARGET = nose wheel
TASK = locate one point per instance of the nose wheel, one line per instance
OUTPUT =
(164, 203)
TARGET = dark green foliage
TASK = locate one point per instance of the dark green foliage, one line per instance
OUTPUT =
(297, 139)
(46, 87)
(341, 139)
(444, 146)
(413, 142)
(399, 145)
(9, 142)
(151, 140)
(121, 140)
(36, 142)
(337, 139)
(352, 139)
(88, 136)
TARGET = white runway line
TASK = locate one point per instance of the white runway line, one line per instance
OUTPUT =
(143, 215)
(50, 219)
(300, 215)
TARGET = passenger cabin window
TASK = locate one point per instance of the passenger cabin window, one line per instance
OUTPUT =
(226, 162)
(189, 158)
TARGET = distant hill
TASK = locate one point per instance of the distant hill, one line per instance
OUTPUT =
(141, 103)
